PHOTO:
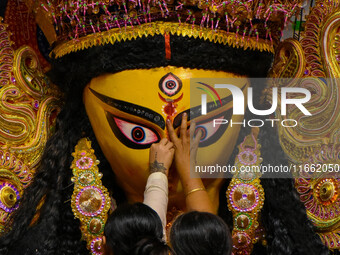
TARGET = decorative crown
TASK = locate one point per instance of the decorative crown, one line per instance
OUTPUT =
(78, 24)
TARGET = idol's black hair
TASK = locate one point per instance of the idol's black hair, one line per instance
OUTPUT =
(135, 229)
(57, 232)
(200, 233)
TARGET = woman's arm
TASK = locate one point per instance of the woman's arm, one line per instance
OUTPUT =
(156, 190)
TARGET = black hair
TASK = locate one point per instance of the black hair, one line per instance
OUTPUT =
(145, 53)
(200, 233)
(135, 229)
(56, 231)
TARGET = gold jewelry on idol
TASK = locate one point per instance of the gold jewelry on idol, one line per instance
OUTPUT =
(245, 195)
(90, 200)
(314, 142)
(28, 107)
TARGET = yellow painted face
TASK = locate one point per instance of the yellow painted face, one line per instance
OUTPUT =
(128, 111)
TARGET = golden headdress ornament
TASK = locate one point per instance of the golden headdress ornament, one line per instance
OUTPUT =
(73, 25)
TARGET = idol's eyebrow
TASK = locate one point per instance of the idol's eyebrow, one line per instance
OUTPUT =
(132, 109)
(195, 112)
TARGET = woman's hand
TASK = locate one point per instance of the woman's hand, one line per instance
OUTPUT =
(161, 156)
(196, 195)
(186, 146)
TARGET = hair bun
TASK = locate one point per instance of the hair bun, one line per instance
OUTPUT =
(150, 245)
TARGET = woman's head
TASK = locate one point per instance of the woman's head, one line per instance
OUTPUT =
(135, 229)
(200, 233)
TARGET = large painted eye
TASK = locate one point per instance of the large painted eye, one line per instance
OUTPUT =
(207, 129)
(131, 134)
(170, 84)
(211, 134)
(135, 133)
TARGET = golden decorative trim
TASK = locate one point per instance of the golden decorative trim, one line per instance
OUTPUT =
(161, 28)
(28, 107)
(315, 140)
(79, 18)
(245, 196)
(90, 200)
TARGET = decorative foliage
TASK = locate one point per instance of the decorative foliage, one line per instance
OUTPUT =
(28, 107)
(316, 139)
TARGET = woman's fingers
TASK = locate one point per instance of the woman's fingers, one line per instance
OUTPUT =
(183, 132)
(197, 138)
(194, 144)
(191, 131)
(170, 145)
(171, 131)
(164, 141)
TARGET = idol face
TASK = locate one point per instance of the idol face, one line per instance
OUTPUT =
(128, 111)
